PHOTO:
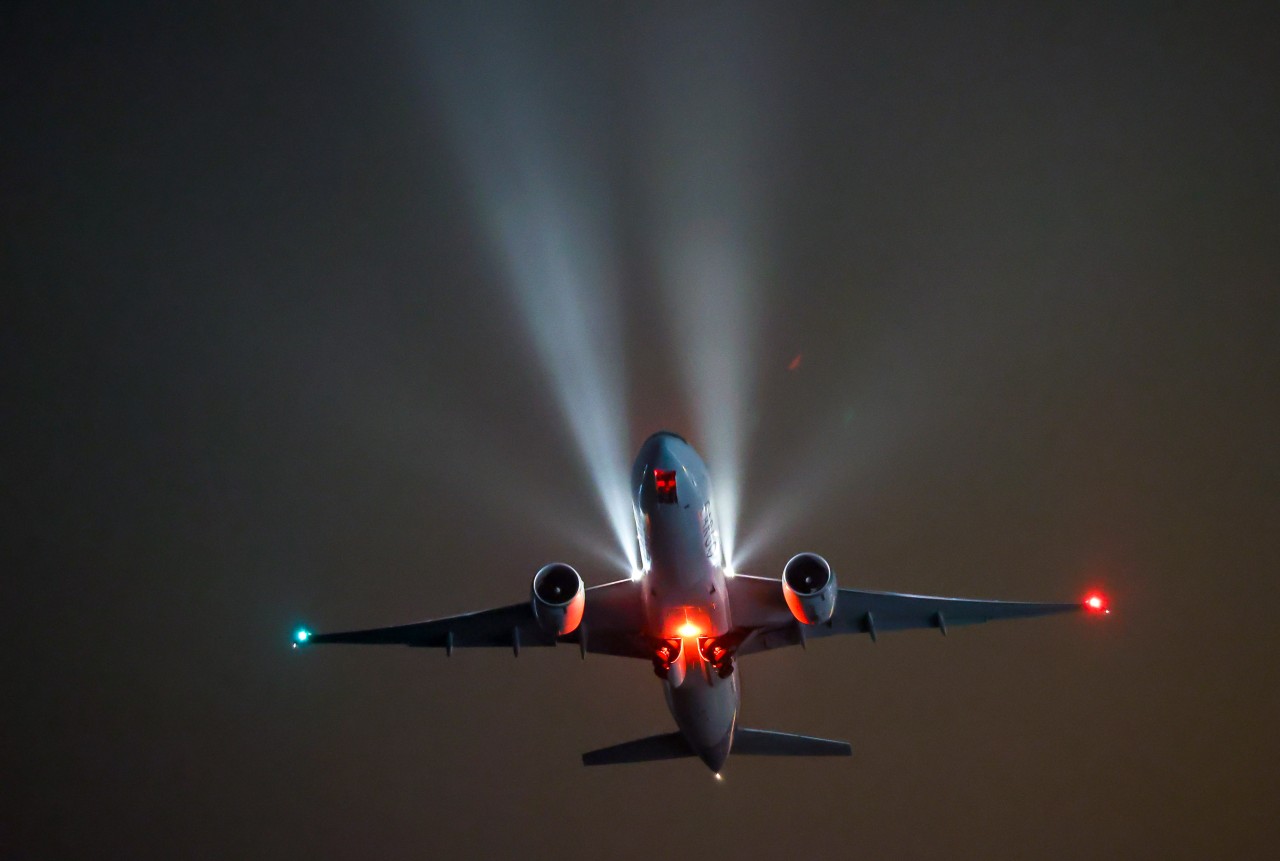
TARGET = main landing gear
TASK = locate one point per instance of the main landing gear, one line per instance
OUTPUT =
(716, 655)
(665, 656)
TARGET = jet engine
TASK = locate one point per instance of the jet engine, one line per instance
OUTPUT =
(809, 587)
(558, 598)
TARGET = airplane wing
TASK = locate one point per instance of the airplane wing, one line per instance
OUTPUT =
(611, 625)
(765, 622)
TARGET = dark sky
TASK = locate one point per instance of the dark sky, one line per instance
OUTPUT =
(262, 365)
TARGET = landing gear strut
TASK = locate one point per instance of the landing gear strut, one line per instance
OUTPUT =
(665, 656)
(716, 653)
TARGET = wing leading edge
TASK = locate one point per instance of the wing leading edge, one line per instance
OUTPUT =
(758, 605)
(611, 625)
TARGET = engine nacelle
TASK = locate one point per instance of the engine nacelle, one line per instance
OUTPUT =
(558, 598)
(809, 587)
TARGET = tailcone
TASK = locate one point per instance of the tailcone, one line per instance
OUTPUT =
(715, 755)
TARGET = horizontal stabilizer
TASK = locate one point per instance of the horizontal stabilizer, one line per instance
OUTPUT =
(667, 746)
(763, 742)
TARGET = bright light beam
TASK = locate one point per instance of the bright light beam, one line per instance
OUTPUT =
(709, 230)
(710, 283)
(515, 119)
(572, 326)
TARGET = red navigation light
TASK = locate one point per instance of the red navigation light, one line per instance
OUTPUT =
(1096, 602)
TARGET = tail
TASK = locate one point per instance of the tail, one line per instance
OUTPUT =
(670, 745)
(747, 742)
(765, 742)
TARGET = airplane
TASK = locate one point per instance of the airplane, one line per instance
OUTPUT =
(689, 614)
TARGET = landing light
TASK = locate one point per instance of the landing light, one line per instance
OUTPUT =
(1097, 603)
(637, 573)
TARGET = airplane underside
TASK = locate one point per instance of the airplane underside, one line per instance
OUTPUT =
(688, 613)
(702, 694)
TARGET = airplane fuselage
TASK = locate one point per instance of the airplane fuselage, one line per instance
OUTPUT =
(685, 597)
(675, 611)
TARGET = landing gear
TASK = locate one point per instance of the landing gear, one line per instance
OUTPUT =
(665, 657)
(715, 651)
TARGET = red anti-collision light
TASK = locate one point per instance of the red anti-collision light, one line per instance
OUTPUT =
(1096, 602)
(664, 480)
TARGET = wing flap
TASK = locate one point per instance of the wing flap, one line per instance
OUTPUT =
(893, 611)
(499, 627)
(757, 602)
(611, 625)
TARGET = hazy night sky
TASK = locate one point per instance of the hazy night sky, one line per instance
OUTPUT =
(268, 360)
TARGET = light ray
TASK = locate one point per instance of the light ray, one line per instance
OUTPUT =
(540, 195)
(708, 230)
